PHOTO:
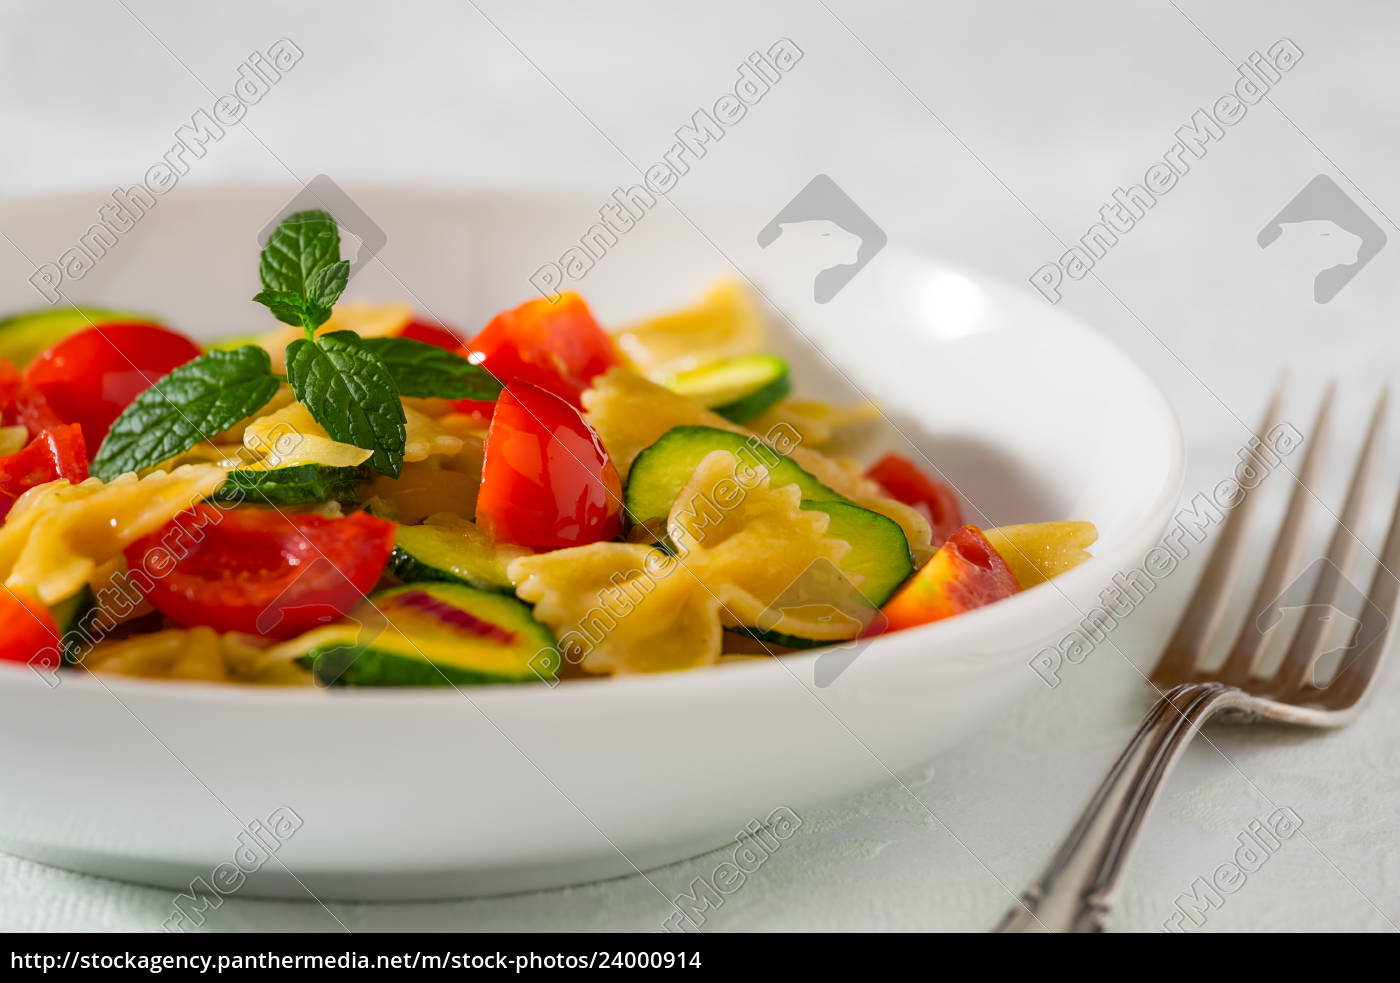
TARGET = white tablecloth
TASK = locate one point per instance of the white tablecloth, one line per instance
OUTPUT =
(989, 132)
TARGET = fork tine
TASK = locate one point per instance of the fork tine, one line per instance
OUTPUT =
(1351, 682)
(1283, 559)
(1307, 644)
(1208, 601)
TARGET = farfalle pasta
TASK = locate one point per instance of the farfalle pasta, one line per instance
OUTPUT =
(57, 535)
(621, 607)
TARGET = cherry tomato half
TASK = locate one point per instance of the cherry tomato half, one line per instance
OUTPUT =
(22, 406)
(547, 482)
(554, 345)
(260, 571)
(965, 573)
(431, 333)
(30, 634)
(905, 482)
(91, 376)
(55, 453)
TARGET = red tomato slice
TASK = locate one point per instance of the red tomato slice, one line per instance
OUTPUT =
(260, 571)
(966, 573)
(906, 483)
(431, 333)
(56, 453)
(91, 376)
(553, 345)
(22, 406)
(546, 482)
(30, 634)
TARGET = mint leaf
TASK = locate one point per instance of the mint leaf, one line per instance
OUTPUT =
(327, 284)
(286, 307)
(301, 269)
(301, 245)
(350, 392)
(424, 370)
(199, 399)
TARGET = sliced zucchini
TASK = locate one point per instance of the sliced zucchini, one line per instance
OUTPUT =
(26, 334)
(439, 634)
(301, 484)
(68, 616)
(879, 548)
(662, 470)
(738, 389)
(452, 550)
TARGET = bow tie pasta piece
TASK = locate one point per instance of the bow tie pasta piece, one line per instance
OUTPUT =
(629, 413)
(622, 607)
(726, 323)
(291, 436)
(627, 607)
(196, 654)
(54, 542)
(750, 543)
(816, 422)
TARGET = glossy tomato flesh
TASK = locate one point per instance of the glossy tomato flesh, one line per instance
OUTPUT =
(22, 406)
(431, 333)
(966, 573)
(91, 376)
(905, 482)
(55, 453)
(261, 571)
(30, 634)
(555, 345)
(547, 482)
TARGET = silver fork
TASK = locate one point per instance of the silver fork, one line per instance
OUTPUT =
(1077, 889)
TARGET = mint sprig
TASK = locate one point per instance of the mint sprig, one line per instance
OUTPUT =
(200, 398)
(350, 393)
(350, 385)
(301, 270)
(427, 371)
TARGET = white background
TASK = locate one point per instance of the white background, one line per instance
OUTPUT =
(988, 132)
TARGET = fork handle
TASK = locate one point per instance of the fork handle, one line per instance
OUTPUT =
(1077, 889)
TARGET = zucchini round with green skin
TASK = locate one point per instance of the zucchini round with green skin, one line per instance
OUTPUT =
(738, 389)
(879, 549)
(26, 334)
(438, 634)
(452, 550)
(662, 470)
(301, 484)
(69, 615)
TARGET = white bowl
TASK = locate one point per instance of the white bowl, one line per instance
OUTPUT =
(432, 793)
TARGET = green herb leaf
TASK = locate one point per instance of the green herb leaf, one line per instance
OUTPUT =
(327, 284)
(301, 245)
(193, 403)
(350, 392)
(301, 269)
(286, 307)
(424, 370)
